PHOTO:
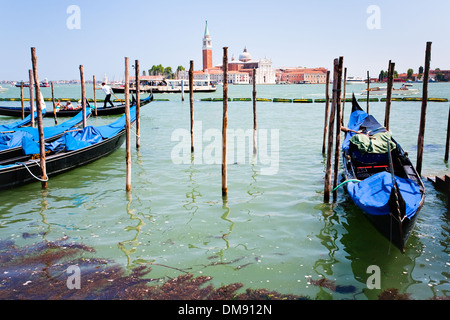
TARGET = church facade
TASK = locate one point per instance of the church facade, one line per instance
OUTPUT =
(239, 71)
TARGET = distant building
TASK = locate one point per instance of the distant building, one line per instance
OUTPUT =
(239, 71)
(301, 75)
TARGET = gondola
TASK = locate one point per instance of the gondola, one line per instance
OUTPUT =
(380, 178)
(72, 150)
(11, 141)
(101, 111)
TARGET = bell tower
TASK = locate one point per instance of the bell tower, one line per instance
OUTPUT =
(207, 49)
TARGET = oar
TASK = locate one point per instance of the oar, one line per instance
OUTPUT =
(116, 96)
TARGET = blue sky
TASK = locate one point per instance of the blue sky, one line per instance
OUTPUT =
(290, 33)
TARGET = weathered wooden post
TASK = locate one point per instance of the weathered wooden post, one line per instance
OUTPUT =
(448, 137)
(95, 96)
(423, 111)
(54, 104)
(368, 92)
(182, 89)
(83, 95)
(225, 123)
(30, 73)
(21, 100)
(338, 125)
(343, 95)
(127, 125)
(39, 119)
(138, 105)
(387, 112)
(254, 113)
(337, 150)
(327, 106)
(327, 187)
(191, 100)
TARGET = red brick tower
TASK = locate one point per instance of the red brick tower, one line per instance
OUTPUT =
(207, 49)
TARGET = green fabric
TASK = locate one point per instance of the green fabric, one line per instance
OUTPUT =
(378, 143)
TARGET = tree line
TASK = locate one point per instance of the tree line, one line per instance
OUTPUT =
(166, 72)
(409, 74)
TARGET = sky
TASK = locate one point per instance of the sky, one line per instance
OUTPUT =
(99, 34)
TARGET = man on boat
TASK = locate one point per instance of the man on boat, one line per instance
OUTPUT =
(107, 90)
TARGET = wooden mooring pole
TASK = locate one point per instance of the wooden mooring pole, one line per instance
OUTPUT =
(30, 74)
(343, 95)
(39, 119)
(337, 150)
(327, 187)
(327, 106)
(423, 111)
(95, 96)
(138, 105)
(191, 101)
(21, 100)
(127, 125)
(368, 92)
(448, 137)
(254, 113)
(387, 112)
(225, 123)
(83, 95)
(54, 104)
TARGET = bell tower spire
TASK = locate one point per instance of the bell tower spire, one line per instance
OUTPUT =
(207, 49)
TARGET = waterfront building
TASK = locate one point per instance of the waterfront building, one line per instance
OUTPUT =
(301, 75)
(239, 71)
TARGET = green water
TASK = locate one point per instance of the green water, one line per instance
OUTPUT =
(274, 231)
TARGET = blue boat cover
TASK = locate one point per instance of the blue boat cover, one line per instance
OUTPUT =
(78, 139)
(18, 124)
(56, 130)
(372, 194)
(14, 139)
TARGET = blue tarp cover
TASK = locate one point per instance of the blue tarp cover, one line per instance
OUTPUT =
(81, 138)
(18, 124)
(14, 139)
(53, 131)
(8, 141)
(372, 194)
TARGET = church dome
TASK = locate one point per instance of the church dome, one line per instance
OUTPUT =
(245, 56)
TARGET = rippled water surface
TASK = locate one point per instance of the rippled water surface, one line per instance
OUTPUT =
(273, 231)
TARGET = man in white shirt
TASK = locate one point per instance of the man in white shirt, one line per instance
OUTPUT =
(107, 90)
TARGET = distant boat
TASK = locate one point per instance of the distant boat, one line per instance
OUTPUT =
(3, 89)
(351, 80)
(43, 84)
(168, 86)
(395, 92)
(380, 177)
